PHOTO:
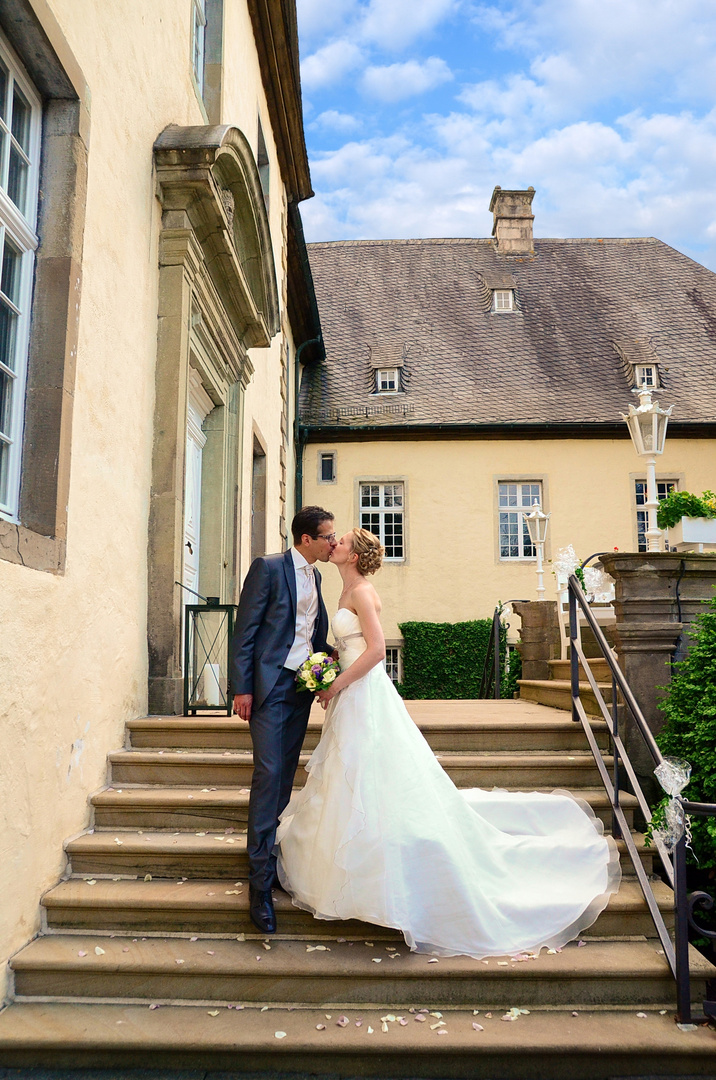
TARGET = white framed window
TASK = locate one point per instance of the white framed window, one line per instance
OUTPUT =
(663, 488)
(20, 131)
(503, 300)
(646, 375)
(327, 467)
(516, 499)
(393, 663)
(198, 39)
(387, 380)
(382, 509)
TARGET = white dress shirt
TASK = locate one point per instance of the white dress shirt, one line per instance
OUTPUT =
(306, 611)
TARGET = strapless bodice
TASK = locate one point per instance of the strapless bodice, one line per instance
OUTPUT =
(350, 642)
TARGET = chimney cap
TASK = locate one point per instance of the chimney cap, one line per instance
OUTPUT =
(498, 195)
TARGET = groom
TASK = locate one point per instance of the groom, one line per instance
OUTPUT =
(281, 620)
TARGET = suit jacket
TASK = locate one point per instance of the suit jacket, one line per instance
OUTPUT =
(266, 625)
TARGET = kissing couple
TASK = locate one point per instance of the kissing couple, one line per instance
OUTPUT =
(379, 832)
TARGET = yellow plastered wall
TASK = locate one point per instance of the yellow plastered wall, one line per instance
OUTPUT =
(452, 570)
(73, 667)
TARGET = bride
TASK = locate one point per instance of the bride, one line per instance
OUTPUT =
(380, 832)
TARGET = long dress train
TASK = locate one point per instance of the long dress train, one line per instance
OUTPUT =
(380, 833)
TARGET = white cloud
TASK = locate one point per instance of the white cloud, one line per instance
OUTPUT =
(330, 63)
(317, 18)
(333, 120)
(394, 82)
(395, 24)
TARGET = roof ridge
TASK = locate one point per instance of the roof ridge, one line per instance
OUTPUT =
(487, 240)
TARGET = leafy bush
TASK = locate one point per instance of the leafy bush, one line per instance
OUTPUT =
(444, 660)
(513, 672)
(690, 729)
(680, 504)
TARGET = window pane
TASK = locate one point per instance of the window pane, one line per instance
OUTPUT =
(8, 321)
(21, 119)
(17, 179)
(327, 474)
(4, 83)
(6, 382)
(10, 282)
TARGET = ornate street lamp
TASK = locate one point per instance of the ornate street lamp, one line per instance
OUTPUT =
(537, 523)
(647, 427)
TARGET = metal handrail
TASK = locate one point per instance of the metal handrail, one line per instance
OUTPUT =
(490, 681)
(676, 953)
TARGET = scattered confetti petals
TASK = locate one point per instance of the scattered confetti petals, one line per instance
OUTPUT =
(502, 963)
(437, 1015)
(153, 1006)
(98, 951)
(370, 1030)
(213, 1012)
(178, 961)
(433, 960)
(485, 962)
(688, 1027)
(359, 1023)
(340, 940)
(147, 877)
(376, 960)
(384, 1027)
(443, 1031)
(475, 1012)
(279, 1034)
(241, 937)
(320, 1027)
(662, 1012)
(420, 1018)
(488, 1016)
(81, 953)
(575, 1014)
(581, 944)
(210, 952)
(90, 881)
(232, 892)
(477, 1027)
(264, 1008)
(266, 946)
(125, 949)
(342, 1021)
(642, 1016)
(440, 1023)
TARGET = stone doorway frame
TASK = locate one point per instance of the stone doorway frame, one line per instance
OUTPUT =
(217, 299)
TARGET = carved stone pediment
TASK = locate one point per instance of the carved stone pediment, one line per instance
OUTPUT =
(210, 174)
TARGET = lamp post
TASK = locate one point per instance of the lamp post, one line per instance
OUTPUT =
(647, 427)
(537, 523)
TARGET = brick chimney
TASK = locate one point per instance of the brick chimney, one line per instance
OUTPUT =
(513, 217)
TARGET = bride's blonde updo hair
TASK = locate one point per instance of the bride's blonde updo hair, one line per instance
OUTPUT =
(369, 550)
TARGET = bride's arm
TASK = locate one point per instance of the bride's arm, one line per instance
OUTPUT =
(365, 605)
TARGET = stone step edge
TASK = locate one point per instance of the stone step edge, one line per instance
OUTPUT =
(64, 1032)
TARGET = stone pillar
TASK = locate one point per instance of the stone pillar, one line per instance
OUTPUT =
(539, 638)
(658, 594)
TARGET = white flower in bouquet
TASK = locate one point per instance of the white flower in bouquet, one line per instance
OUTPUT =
(317, 657)
(310, 683)
(329, 675)
(316, 673)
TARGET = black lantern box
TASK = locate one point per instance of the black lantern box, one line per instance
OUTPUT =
(208, 629)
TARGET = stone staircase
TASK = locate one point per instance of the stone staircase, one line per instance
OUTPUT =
(556, 692)
(148, 957)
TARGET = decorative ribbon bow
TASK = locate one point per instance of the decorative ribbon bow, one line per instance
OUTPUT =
(673, 774)
(341, 641)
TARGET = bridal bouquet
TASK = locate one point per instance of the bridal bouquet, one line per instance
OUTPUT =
(316, 673)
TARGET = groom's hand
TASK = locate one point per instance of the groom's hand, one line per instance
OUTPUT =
(242, 705)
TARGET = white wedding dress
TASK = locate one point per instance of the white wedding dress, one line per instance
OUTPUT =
(380, 833)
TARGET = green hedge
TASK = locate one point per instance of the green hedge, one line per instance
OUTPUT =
(690, 728)
(445, 660)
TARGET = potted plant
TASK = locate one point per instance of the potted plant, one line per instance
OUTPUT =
(690, 519)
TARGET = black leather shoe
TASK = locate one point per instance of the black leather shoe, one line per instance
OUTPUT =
(261, 910)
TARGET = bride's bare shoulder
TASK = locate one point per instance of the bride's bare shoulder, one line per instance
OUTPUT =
(366, 593)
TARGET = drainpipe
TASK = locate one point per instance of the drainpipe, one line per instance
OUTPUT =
(299, 434)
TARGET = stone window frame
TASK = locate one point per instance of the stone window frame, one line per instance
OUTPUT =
(678, 479)
(320, 457)
(518, 478)
(38, 538)
(381, 510)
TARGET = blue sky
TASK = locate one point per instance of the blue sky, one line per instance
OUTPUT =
(415, 109)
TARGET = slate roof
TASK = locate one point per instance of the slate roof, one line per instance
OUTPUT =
(585, 308)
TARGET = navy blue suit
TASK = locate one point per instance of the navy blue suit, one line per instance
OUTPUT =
(263, 637)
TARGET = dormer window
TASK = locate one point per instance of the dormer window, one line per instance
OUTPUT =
(503, 300)
(387, 380)
(646, 375)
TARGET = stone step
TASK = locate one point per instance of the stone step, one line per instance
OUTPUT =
(606, 973)
(197, 809)
(186, 854)
(234, 768)
(209, 907)
(557, 694)
(555, 1044)
(477, 726)
(562, 670)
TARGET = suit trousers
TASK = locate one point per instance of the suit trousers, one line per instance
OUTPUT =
(278, 727)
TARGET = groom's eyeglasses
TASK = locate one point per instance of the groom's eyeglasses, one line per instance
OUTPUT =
(330, 537)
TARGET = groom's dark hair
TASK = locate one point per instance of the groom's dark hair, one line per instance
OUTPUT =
(307, 520)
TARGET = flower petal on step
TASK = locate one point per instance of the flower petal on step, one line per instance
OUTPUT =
(81, 953)
(420, 1018)
(320, 1027)
(477, 1027)
(266, 946)
(209, 952)
(359, 1023)
(503, 963)
(154, 1006)
(581, 944)
(370, 1030)
(231, 892)
(433, 960)
(98, 951)
(340, 940)
(437, 1015)
(402, 1021)
(488, 1016)
(264, 1008)
(241, 937)
(90, 881)
(342, 1021)
(147, 877)
(376, 960)
(642, 1016)
(213, 1012)
(125, 949)
(279, 1034)
(443, 1031)
(384, 1027)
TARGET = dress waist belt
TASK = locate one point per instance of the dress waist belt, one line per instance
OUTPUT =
(341, 641)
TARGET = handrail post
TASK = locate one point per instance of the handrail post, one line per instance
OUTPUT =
(681, 935)
(496, 634)
(616, 831)
(573, 658)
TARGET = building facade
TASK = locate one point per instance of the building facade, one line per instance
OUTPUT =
(155, 289)
(464, 379)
